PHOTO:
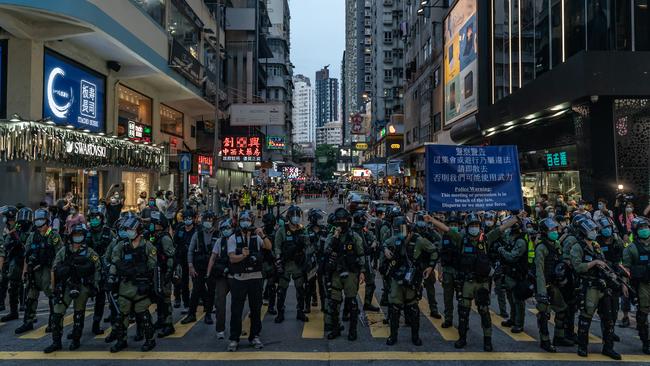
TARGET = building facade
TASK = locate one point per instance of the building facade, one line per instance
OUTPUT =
(327, 97)
(330, 134)
(304, 116)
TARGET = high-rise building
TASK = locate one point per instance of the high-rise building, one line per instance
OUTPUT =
(304, 116)
(327, 97)
(329, 134)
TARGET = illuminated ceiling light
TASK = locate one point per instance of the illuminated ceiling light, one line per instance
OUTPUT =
(101, 134)
(50, 122)
(490, 134)
(509, 128)
(556, 108)
(421, 10)
(70, 127)
(154, 145)
(114, 136)
(531, 121)
(15, 118)
(86, 130)
(558, 113)
(530, 116)
(509, 123)
(491, 129)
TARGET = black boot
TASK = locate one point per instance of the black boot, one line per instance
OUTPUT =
(463, 324)
(486, 324)
(583, 336)
(448, 323)
(346, 312)
(370, 307)
(354, 318)
(608, 339)
(97, 328)
(25, 327)
(282, 296)
(120, 345)
(208, 319)
(48, 329)
(119, 333)
(393, 318)
(542, 325)
(57, 320)
(167, 330)
(642, 327)
(13, 310)
(189, 318)
(272, 294)
(77, 329)
(413, 313)
(335, 308)
(147, 330)
(487, 344)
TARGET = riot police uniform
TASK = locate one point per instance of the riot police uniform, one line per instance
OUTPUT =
(12, 250)
(408, 256)
(290, 250)
(40, 250)
(345, 265)
(514, 265)
(385, 232)
(371, 247)
(163, 273)
(76, 271)
(449, 255)
(99, 238)
(636, 258)
(317, 235)
(422, 228)
(182, 237)
(498, 279)
(133, 262)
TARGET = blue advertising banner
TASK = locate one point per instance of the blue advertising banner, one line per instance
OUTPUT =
(93, 190)
(73, 94)
(472, 178)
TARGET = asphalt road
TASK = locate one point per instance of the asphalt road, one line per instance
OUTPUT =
(294, 342)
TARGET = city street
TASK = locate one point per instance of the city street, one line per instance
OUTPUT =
(301, 343)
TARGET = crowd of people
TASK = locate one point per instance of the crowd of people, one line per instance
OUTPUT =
(570, 258)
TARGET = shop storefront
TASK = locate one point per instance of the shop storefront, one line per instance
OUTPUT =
(134, 115)
(550, 171)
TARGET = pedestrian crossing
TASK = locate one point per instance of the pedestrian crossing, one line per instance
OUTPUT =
(375, 319)
(40, 332)
(592, 338)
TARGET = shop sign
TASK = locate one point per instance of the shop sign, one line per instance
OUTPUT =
(138, 132)
(204, 164)
(395, 146)
(382, 133)
(557, 160)
(472, 178)
(361, 146)
(82, 148)
(72, 94)
(291, 172)
(361, 173)
(275, 143)
(356, 124)
(241, 148)
(182, 61)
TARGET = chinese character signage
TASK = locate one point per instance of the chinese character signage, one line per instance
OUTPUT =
(275, 143)
(356, 124)
(556, 160)
(138, 132)
(204, 164)
(72, 94)
(472, 178)
(241, 148)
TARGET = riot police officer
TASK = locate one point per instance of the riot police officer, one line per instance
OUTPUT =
(290, 251)
(75, 277)
(410, 259)
(589, 263)
(99, 239)
(269, 269)
(198, 256)
(514, 265)
(317, 234)
(371, 247)
(449, 256)
(551, 276)
(385, 232)
(133, 263)
(636, 258)
(40, 250)
(489, 223)
(164, 273)
(345, 271)
(12, 254)
(182, 237)
(423, 228)
(218, 270)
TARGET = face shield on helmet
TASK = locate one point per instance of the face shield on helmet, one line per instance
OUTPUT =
(641, 226)
(341, 218)
(489, 219)
(207, 220)
(588, 229)
(41, 218)
(606, 229)
(226, 228)
(188, 217)
(78, 233)
(131, 227)
(400, 227)
(294, 215)
(473, 225)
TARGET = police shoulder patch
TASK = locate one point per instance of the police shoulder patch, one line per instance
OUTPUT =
(154, 252)
(94, 257)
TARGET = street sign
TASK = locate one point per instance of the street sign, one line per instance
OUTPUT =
(185, 162)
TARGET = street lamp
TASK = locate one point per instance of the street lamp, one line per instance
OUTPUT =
(424, 4)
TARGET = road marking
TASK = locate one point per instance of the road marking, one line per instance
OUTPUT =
(375, 319)
(496, 322)
(448, 334)
(246, 322)
(40, 332)
(182, 329)
(592, 338)
(108, 331)
(315, 356)
(315, 327)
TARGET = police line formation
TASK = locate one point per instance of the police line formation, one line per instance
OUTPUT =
(572, 268)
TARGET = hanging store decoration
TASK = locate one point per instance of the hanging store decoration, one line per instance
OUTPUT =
(34, 141)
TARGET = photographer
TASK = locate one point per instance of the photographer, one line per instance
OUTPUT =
(624, 214)
(218, 269)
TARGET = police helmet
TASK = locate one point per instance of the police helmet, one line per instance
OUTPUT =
(131, 223)
(157, 218)
(246, 216)
(490, 215)
(79, 229)
(145, 214)
(208, 215)
(393, 212)
(330, 219)
(341, 217)
(188, 213)
(25, 215)
(640, 222)
(41, 217)
(294, 210)
(9, 212)
(359, 217)
(314, 216)
(586, 226)
(547, 225)
(472, 219)
(420, 223)
(604, 222)
(225, 224)
(453, 219)
(577, 219)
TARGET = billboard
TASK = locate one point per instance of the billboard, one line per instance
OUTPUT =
(356, 124)
(275, 143)
(241, 148)
(73, 94)
(261, 114)
(461, 61)
(472, 178)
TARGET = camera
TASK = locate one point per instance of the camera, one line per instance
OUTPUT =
(344, 275)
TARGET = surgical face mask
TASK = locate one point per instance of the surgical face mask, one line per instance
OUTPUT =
(122, 234)
(473, 231)
(207, 225)
(606, 232)
(644, 233)
(226, 233)
(592, 235)
(553, 235)
(489, 223)
(629, 209)
(39, 223)
(77, 239)
(601, 206)
(131, 234)
(188, 222)
(113, 200)
(295, 220)
(245, 224)
(152, 227)
(94, 222)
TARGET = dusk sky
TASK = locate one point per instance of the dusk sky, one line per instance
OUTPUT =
(317, 36)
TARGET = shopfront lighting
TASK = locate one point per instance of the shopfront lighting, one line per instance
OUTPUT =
(69, 127)
(530, 116)
(114, 136)
(620, 187)
(101, 134)
(556, 108)
(424, 2)
(86, 131)
(15, 118)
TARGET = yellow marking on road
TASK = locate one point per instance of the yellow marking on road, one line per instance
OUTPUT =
(375, 319)
(315, 356)
(496, 322)
(592, 338)
(40, 332)
(315, 327)
(246, 322)
(448, 334)
(107, 331)
(182, 329)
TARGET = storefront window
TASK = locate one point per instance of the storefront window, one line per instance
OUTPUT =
(574, 27)
(184, 31)
(542, 37)
(642, 25)
(154, 8)
(134, 184)
(85, 186)
(171, 121)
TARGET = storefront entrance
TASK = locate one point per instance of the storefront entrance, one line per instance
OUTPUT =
(85, 186)
(551, 183)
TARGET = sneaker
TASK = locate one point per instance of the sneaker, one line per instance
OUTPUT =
(221, 335)
(257, 343)
(232, 346)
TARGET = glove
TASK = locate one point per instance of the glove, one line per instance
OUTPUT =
(279, 266)
(542, 299)
(331, 260)
(111, 280)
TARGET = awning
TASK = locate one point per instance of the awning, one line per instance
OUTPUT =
(39, 141)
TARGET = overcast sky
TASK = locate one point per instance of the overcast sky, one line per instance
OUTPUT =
(317, 36)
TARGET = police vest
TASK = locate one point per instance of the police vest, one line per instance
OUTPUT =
(347, 258)
(104, 241)
(250, 264)
(14, 249)
(474, 259)
(552, 259)
(41, 252)
(160, 252)
(182, 239)
(640, 270)
(202, 252)
(82, 267)
(589, 256)
(530, 250)
(519, 267)
(133, 264)
(293, 247)
(612, 253)
(448, 252)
